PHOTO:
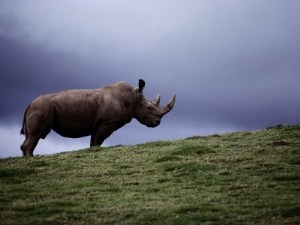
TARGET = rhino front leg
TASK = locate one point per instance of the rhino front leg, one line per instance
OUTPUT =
(102, 132)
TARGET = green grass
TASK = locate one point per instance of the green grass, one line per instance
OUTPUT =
(234, 178)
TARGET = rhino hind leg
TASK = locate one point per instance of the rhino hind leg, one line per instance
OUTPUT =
(29, 144)
(22, 147)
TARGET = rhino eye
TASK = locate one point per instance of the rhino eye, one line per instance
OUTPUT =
(148, 107)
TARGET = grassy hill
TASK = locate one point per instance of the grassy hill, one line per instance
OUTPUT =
(235, 178)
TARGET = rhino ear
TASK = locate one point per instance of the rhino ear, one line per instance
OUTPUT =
(141, 84)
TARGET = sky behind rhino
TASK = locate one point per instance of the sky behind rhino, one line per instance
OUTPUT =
(234, 65)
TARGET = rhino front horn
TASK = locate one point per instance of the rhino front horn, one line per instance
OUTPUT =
(167, 108)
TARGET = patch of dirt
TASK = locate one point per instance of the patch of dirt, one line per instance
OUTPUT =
(279, 143)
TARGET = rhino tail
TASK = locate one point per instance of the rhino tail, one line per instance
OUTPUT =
(23, 129)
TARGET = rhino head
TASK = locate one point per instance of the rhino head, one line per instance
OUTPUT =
(148, 112)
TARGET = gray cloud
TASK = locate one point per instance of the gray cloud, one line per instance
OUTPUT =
(233, 65)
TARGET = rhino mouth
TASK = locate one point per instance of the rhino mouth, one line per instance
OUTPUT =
(154, 123)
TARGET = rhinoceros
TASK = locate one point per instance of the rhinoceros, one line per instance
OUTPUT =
(99, 112)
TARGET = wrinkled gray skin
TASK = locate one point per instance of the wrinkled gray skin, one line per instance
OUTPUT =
(78, 113)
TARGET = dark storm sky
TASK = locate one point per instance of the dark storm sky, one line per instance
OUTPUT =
(234, 65)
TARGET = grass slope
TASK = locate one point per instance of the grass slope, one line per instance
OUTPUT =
(234, 178)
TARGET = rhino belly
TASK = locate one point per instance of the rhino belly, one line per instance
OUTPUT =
(73, 129)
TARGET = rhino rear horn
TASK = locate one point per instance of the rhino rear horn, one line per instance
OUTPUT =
(167, 108)
(156, 100)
